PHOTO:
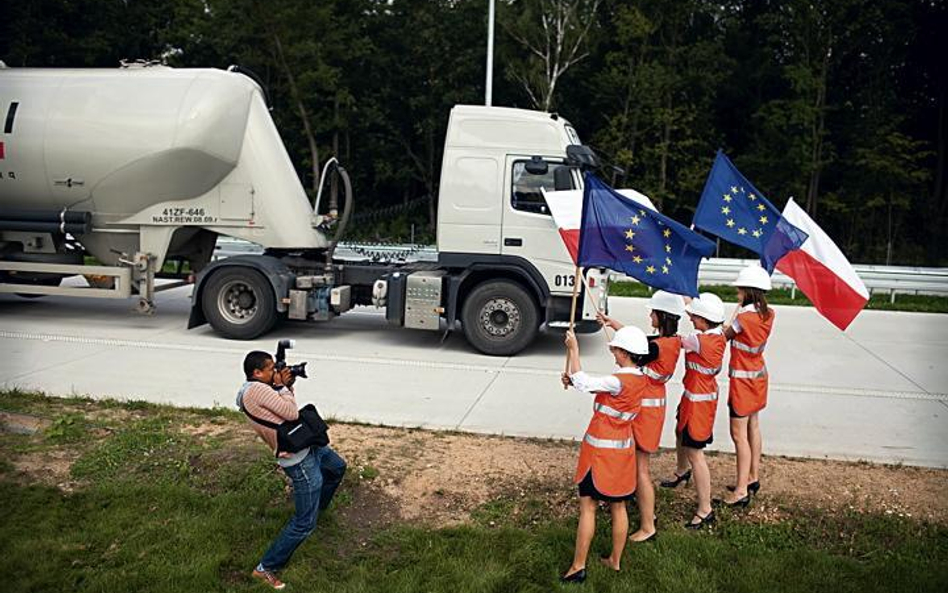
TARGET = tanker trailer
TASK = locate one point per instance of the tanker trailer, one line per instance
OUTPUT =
(129, 167)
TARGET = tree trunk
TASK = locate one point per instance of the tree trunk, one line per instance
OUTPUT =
(301, 108)
(816, 162)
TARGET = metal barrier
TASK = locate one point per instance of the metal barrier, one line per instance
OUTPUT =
(713, 271)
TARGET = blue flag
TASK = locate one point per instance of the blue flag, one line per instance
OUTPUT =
(622, 235)
(733, 209)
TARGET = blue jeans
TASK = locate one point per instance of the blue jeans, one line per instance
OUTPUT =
(315, 480)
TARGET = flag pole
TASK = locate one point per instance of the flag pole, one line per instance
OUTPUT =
(572, 315)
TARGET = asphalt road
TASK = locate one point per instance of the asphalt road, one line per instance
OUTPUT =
(876, 392)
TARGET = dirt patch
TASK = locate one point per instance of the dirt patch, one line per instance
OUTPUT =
(50, 467)
(14, 423)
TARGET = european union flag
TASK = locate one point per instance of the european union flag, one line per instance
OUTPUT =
(733, 209)
(622, 235)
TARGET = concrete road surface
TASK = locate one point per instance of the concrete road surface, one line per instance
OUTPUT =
(877, 392)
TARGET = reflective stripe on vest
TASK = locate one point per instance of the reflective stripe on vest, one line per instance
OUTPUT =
(701, 369)
(700, 397)
(608, 443)
(655, 376)
(741, 374)
(745, 348)
(656, 402)
(613, 412)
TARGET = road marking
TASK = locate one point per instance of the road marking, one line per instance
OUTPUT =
(455, 366)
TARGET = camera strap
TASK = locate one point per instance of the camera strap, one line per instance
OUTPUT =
(260, 421)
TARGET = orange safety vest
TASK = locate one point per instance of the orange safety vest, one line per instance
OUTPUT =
(648, 424)
(747, 371)
(699, 402)
(608, 447)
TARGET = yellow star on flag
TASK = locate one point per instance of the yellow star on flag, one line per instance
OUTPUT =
(642, 212)
(757, 233)
(761, 207)
(650, 269)
(637, 259)
(733, 189)
(730, 222)
(742, 231)
(635, 220)
(668, 260)
(726, 210)
(630, 248)
(752, 196)
(668, 248)
(727, 197)
(630, 234)
(667, 233)
(763, 220)
(664, 269)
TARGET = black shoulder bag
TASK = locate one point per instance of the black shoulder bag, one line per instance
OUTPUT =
(309, 430)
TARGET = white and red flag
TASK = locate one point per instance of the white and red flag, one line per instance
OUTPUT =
(822, 272)
(567, 210)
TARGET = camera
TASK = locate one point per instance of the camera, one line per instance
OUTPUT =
(279, 361)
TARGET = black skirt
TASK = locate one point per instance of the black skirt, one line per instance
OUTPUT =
(588, 488)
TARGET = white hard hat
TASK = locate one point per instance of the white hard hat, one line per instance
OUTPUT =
(753, 276)
(707, 305)
(667, 302)
(631, 339)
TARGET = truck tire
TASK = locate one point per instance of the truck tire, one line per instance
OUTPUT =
(499, 318)
(239, 303)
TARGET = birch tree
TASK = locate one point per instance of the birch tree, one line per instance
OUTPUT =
(555, 34)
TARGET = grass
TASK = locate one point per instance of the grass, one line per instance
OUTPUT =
(158, 509)
(783, 296)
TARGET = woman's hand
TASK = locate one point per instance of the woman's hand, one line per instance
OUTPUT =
(607, 321)
(566, 380)
(571, 343)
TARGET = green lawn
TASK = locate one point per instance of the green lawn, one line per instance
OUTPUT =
(155, 509)
(782, 296)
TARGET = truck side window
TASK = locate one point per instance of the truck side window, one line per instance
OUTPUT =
(525, 193)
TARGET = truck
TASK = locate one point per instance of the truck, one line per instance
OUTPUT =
(128, 176)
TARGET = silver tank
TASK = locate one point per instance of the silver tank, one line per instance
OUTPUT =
(150, 150)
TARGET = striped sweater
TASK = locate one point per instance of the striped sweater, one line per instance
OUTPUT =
(265, 403)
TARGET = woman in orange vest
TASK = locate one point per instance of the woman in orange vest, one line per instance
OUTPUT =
(747, 395)
(704, 354)
(665, 309)
(606, 468)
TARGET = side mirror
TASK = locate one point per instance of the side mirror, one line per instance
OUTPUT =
(581, 156)
(537, 166)
(562, 178)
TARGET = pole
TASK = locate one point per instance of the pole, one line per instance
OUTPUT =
(572, 312)
(488, 91)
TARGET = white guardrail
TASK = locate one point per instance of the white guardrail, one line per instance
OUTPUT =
(889, 280)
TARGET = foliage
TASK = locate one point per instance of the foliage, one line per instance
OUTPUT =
(838, 103)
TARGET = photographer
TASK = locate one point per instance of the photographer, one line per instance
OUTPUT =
(314, 471)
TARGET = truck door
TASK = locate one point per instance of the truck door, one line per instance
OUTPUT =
(528, 230)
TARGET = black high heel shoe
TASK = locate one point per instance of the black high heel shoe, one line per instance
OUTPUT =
(739, 503)
(685, 477)
(702, 521)
(577, 577)
(752, 488)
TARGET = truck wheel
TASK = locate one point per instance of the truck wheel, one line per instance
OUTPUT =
(239, 303)
(499, 318)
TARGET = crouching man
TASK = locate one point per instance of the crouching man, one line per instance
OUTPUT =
(315, 471)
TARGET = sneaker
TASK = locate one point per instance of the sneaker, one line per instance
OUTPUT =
(269, 578)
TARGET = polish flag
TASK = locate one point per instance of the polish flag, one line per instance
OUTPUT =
(567, 210)
(822, 272)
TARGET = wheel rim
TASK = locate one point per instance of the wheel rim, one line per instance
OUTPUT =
(237, 302)
(500, 317)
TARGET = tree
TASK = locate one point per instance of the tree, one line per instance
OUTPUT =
(555, 35)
